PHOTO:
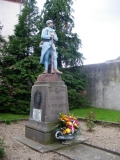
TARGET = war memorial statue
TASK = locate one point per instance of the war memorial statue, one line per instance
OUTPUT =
(48, 52)
(49, 96)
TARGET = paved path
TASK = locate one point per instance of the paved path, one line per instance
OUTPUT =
(75, 151)
(84, 152)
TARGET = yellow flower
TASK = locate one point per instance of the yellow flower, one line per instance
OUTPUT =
(62, 115)
(68, 130)
(72, 117)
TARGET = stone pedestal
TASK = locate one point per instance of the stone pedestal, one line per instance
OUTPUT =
(48, 99)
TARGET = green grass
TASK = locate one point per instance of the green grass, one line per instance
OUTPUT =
(101, 114)
(9, 116)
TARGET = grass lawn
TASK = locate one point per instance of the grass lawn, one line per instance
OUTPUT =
(101, 114)
(9, 116)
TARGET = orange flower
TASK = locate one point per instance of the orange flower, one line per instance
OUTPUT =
(64, 131)
(63, 115)
(66, 119)
(61, 119)
(69, 123)
(75, 125)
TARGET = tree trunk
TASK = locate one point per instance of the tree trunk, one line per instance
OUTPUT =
(59, 61)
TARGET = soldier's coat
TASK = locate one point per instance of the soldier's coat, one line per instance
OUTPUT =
(46, 45)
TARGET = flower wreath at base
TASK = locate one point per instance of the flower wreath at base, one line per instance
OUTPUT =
(67, 128)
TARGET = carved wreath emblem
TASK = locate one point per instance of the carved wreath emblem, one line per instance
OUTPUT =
(37, 99)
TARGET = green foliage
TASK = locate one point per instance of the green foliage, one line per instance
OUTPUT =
(91, 117)
(20, 66)
(106, 124)
(3, 46)
(8, 122)
(2, 147)
(76, 82)
(26, 40)
(60, 11)
(16, 85)
(119, 121)
(15, 120)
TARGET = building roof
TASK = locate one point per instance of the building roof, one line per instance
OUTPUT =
(18, 1)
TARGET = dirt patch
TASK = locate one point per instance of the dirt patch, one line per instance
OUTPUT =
(105, 137)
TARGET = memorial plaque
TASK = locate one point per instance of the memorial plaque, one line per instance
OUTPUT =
(37, 114)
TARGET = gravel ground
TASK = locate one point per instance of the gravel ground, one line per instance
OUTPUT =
(105, 137)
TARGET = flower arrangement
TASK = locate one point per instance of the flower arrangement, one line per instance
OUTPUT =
(68, 127)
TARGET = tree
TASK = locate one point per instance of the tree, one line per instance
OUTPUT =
(60, 11)
(20, 67)
(3, 45)
(75, 81)
(26, 40)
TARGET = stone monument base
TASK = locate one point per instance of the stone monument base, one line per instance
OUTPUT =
(40, 137)
(48, 99)
(41, 132)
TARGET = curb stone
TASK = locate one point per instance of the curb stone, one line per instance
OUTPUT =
(104, 149)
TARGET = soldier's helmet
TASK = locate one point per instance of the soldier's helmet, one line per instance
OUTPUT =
(49, 21)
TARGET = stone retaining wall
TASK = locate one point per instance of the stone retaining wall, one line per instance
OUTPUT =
(103, 88)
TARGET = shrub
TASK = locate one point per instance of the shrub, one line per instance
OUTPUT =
(91, 117)
(76, 83)
(2, 147)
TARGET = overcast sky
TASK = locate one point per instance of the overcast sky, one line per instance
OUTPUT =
(97, 22)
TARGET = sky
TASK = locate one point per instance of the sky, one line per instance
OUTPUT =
(97, 23)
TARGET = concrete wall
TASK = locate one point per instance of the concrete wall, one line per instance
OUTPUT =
(9, 16)
(103, 88)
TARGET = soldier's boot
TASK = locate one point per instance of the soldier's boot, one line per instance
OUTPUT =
(57, 71)
(45, 72)
(52, 72)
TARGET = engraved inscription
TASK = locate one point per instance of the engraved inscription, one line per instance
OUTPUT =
(56, 112)
(57, 89)
(57, 102)
(58, 105)
(56, 98)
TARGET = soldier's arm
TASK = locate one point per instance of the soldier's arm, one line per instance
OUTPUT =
(55, 37)
(45, 35)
